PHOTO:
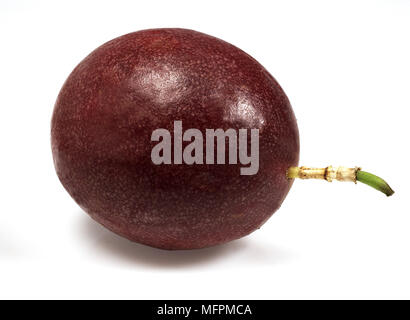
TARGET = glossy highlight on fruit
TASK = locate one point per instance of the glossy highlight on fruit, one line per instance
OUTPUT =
(117, 96)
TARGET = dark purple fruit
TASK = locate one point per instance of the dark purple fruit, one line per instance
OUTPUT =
(123, 91)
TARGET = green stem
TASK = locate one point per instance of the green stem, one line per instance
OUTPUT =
(340, 174)
(374, 182)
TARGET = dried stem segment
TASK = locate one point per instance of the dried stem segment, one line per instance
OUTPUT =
(340, 174)
(328, 173)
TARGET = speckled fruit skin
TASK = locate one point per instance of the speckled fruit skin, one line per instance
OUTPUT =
(124, 90)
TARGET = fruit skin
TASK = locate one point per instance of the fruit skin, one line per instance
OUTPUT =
(124, 90)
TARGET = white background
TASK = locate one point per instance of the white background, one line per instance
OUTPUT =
(345, 66)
